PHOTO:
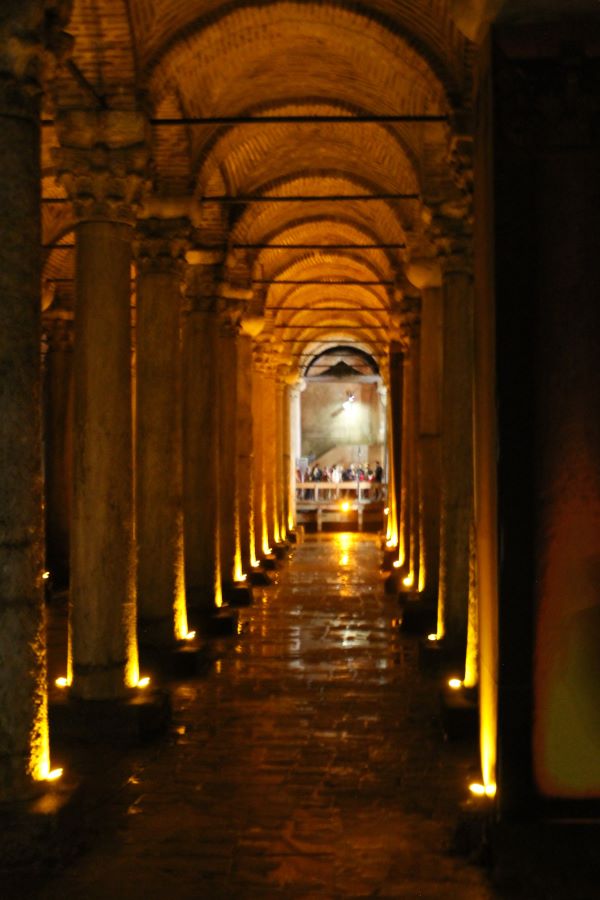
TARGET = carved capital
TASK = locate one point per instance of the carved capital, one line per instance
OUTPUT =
(32, 43)
(230, 314)
(160, 245)
(58, 333)
(103, 162)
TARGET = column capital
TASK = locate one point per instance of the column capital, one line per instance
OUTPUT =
(406, 322)
(200, 287)
(58, 332)
(160, 245)
(103, 162)
(453, 238)
(32, 43)
(230, 314)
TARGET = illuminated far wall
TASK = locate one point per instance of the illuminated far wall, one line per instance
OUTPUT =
(333, 434)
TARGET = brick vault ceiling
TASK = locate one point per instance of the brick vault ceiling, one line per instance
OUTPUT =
(202, 58)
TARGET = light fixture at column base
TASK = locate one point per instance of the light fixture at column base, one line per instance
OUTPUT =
(281, 550)
(269, 562)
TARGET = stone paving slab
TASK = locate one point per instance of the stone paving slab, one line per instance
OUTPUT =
(308, 764)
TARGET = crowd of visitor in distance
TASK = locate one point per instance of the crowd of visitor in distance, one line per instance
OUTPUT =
(343, 473)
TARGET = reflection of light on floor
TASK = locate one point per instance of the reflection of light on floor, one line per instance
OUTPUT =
(344, 541)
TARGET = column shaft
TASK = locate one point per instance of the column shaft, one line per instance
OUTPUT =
(245, 455)
(430, 412)
(227, 453)
(457, 460)
(161, 589)
(261, 533)
(200, 459)
(103, 614)
(58, 439)
(23, 711)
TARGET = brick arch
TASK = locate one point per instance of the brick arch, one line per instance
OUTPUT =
(426, 26)
(253, 156)
(105, 52)
(382, 216)
(259, 53)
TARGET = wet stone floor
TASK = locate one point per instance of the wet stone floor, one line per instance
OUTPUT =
(307, 763)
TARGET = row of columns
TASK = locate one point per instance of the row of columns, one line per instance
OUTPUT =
(178, 475)
(430, 534)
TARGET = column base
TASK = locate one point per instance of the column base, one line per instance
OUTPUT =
(281, 550)
(129, 720)
(459, 712)
(46, 828)
(390, 585)
(258, 577)
(436, 658)
(269, 562)
(183, 659)
(217, 623)
(418, 616)
(238, 594)
(389, 556)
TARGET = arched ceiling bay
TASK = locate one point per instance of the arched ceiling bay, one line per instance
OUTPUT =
(333, 208)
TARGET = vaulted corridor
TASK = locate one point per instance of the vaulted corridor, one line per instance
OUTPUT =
(308, 762)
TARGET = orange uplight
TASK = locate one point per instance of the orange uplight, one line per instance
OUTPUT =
(143, 682)
(54, 774)
(62, 682)
(455, 684)
(190, 636)
(345, 506)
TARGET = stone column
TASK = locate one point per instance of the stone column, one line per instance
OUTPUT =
(457, 454)
(160, 563)
(269, 424)
(245, 452)
(58, 443)
(227, 382)
(282, 459)
(200, 442)
(395, 430)
(294, 392)
(410, 518)
(24, 756)
(425, 275)
(104, 185)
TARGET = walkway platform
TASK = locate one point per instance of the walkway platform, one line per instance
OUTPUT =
(308, 763)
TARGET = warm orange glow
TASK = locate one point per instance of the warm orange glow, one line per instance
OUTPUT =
(344, 560)
(62, 682)
(190, 636)
(179, 605)
(483, 790)
(432, 637)
(345, 506)
(396, 564)
(46, 576)
(386, 510)
(408, 581)
(455, 684)
(54, 775)
(391, 544)
(143, 682)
